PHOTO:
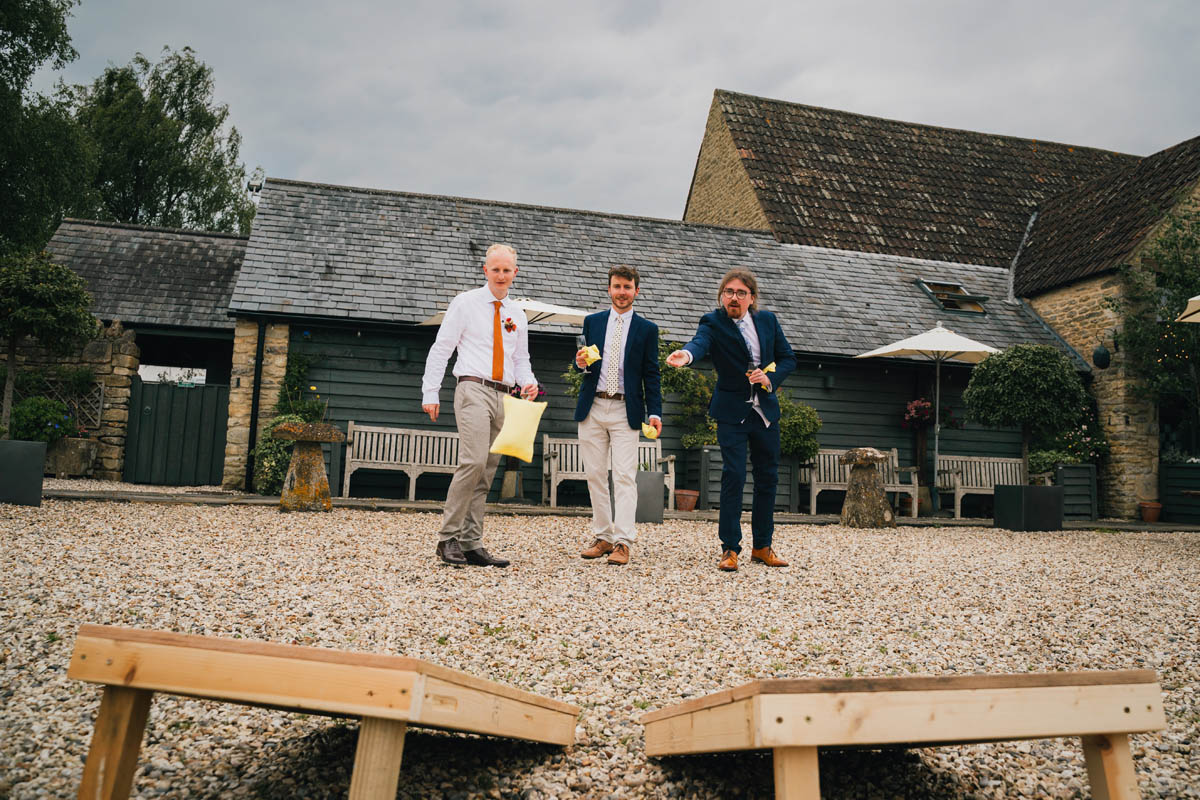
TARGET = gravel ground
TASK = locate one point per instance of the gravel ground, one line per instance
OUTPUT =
(617, 641)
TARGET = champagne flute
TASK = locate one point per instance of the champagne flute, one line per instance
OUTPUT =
(581, 342)
(750, 367)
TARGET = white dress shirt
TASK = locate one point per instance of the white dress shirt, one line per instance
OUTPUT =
(609, 332)
(745, 326)
(468, 327)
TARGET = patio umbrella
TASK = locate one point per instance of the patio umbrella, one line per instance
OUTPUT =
(535, 311)
(1192, 312)
(937, 345)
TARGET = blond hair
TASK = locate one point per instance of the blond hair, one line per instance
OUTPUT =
(501, 248)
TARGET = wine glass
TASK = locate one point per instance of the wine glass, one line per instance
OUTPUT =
(750, 367)
(580, 343)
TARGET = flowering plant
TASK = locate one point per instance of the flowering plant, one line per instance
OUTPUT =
(516, 392)
(1086, 440)
(918, 415)
(509, 325)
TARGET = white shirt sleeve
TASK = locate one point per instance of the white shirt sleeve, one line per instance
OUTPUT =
(522, 369)
(439, 355)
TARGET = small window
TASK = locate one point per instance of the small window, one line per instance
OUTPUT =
(953, 297)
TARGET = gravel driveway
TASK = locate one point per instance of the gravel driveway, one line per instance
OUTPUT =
(616, 641)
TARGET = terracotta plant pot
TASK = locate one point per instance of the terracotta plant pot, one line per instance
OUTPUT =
(1150, 511)
(685, 499)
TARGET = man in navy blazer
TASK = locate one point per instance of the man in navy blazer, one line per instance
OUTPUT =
(616, 394)
(742, 340)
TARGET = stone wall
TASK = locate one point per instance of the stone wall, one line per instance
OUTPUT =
(241, 392)
(114, 357)
(1130, 474)
(721, 190)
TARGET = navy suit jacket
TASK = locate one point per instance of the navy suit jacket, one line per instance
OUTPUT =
(643, 388)
(719, 337)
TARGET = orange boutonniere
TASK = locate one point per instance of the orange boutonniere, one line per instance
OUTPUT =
(509, 325)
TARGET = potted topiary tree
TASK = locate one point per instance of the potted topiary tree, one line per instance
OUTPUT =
(48, 303)
(1033, 388)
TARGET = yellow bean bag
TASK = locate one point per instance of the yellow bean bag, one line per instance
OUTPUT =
(521, 418)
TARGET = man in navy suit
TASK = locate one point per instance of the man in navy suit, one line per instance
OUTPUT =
(617, 392)
(742, 340)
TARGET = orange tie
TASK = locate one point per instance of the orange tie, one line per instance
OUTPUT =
(497, 346)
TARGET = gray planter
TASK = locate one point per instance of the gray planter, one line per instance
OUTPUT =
(1029, 508)
(21, 467)
(1078, 482)
(651, 489)
(1173, 481)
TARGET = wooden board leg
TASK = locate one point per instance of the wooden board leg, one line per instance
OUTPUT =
(1110, 767)
(116, 740)
(377, 759)
(796, 774)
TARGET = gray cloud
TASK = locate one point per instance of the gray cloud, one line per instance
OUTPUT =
(601, 105)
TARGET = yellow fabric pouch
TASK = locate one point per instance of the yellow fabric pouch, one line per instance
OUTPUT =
(521, 418)
(649, 432)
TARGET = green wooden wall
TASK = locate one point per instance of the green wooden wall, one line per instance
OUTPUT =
(374, 377)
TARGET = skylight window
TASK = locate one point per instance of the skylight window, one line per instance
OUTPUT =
(953, 297)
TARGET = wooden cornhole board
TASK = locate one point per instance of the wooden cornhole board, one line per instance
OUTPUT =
(795, 717)
(387, 692)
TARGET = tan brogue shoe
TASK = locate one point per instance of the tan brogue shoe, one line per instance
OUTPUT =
(619, 555)
(598, 548)
(766, 555)
(728, 561)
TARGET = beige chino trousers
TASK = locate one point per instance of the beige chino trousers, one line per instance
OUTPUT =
(479, 414)
(606, 429)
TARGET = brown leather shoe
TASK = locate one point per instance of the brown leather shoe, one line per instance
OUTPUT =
(728, 561)
(766, 555)
(619, 555)
(598, 548)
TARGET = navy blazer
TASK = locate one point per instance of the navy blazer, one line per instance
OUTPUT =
(643, 388)
(719, 337)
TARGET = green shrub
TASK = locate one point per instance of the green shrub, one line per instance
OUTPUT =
(40, 419)
(272, 456)
(1047, 460)
(798, 426)
(296, 396)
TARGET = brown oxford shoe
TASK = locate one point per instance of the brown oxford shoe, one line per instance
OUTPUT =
(451, 552)
(482, 558)
(598, 548)
(619, 555)
(728, 561)
(766, 555)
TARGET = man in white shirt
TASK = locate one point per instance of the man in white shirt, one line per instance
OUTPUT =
(615, 395)
(491, 335)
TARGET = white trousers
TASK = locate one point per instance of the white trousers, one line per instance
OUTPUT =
(606, 430)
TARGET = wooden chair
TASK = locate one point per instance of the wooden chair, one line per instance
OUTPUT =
(796, 717)
(829, 473)
(964, 475)
(387, 692)
(410, 450)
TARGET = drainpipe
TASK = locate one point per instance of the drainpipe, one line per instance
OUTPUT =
(258, 369)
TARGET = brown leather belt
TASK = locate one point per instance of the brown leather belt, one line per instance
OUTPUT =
(610, 395)
(499, 387)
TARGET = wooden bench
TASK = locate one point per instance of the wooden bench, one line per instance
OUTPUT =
(387, 692)
(409, 450)
(830, 473)
(562, 461)
(964, 475)
(795, 717)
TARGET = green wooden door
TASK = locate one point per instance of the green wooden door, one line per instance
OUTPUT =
(176, 434)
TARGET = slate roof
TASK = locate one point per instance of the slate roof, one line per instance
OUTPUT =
(363, 255)
(152, 276)
(1094, 228)
(853, 182)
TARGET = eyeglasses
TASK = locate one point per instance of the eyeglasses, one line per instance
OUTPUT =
(740, 294)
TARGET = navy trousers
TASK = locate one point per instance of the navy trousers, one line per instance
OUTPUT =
(763, 444)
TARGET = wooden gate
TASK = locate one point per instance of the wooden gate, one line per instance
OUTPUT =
(176, 434)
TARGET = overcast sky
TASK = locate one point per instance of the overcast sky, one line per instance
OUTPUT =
(602, 105)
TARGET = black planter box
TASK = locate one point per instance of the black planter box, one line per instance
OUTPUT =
(651, 487)
(21, 468)
(1029, 508)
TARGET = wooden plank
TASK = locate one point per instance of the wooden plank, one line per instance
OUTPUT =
(797, 776)
(116, 740)
(912, 683)
(377, 759)
(1110, 767)
(100, 633)
(451, 705)
(959, 715)
(709, 730)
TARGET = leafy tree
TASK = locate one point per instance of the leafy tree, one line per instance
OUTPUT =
(1028, 386)
(162, 153)
(43, 155)
(45, 301)
(1161, 354)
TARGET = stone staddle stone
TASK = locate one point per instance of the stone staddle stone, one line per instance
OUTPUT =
(306, 487)
(866, 504)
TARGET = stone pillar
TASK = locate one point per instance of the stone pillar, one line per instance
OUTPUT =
(241, 392)
(1130, 475)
